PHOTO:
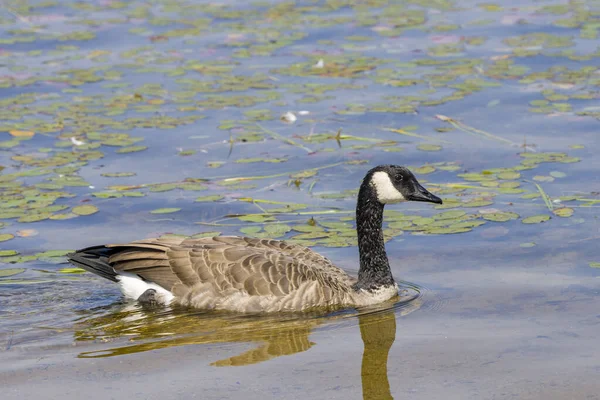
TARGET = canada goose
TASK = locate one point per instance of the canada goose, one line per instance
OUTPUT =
(261, 275)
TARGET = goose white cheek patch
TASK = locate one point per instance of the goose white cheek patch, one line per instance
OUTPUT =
(386, 191)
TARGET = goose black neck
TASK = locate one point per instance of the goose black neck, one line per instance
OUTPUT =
(374, 269)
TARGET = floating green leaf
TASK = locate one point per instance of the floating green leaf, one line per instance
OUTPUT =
(426, 169)
(6, 236)
(467, 224)
(527, 244)
(131, 149)
(35, 217)
(53, 253)
(164, 187)
(447, 231)
(563, 212)
(23, 281)
(118, 174)
(477, 203)
(250, 230)
(542, 178)
(500, 216)
(258, 159)
(87, 209)
(429, 147)
(536, 219)
(214, 197)
(4, 273)
(256, 218)
(509, 175)
(165, 210)
(63, 216)
(73, 270)
(450, 214)
(192, 186)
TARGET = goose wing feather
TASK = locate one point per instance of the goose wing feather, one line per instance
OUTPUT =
(258, 267)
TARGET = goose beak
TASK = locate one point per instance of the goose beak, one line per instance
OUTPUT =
(421, 194)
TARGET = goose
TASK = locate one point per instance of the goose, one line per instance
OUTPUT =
(243, 274)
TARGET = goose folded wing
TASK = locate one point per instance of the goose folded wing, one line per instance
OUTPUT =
(257, 271)
(258, 268)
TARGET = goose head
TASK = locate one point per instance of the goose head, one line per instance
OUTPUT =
(395, 184)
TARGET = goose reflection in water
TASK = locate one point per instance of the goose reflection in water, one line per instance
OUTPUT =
(278, 335)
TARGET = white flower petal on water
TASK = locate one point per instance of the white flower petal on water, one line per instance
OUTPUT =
(289, 117)
(76, 141)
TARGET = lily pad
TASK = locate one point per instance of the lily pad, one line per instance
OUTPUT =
(429, 147)
(59, 217)
(6, 236)
(131, 149)
(23, 281)
(527, 244)
(87, 209)
(250, 230)
(258, 159)
(500, 216)
(427, 169)
(447, 231)
(450, 214)
(563, 212)
(118, 174)
(214, 197)
(509, 175)
(53, 253)
(4, 273)
(477, 203)
(35, 217)
(73, 270)
(467, 224)
(256, 218)
(536, 219)
(165, 210)
(543, 178)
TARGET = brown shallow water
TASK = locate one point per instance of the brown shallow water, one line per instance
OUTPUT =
(125, 120)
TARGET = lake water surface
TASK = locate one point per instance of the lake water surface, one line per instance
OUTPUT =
(122, 120)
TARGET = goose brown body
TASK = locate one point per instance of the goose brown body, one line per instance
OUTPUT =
(237, 273)
(261, 275)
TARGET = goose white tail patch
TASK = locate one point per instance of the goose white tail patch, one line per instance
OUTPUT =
(386, 191)
(133, 287)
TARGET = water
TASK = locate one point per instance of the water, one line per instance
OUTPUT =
(503, 96)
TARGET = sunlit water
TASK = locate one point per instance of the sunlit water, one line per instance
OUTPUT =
(498, 310)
